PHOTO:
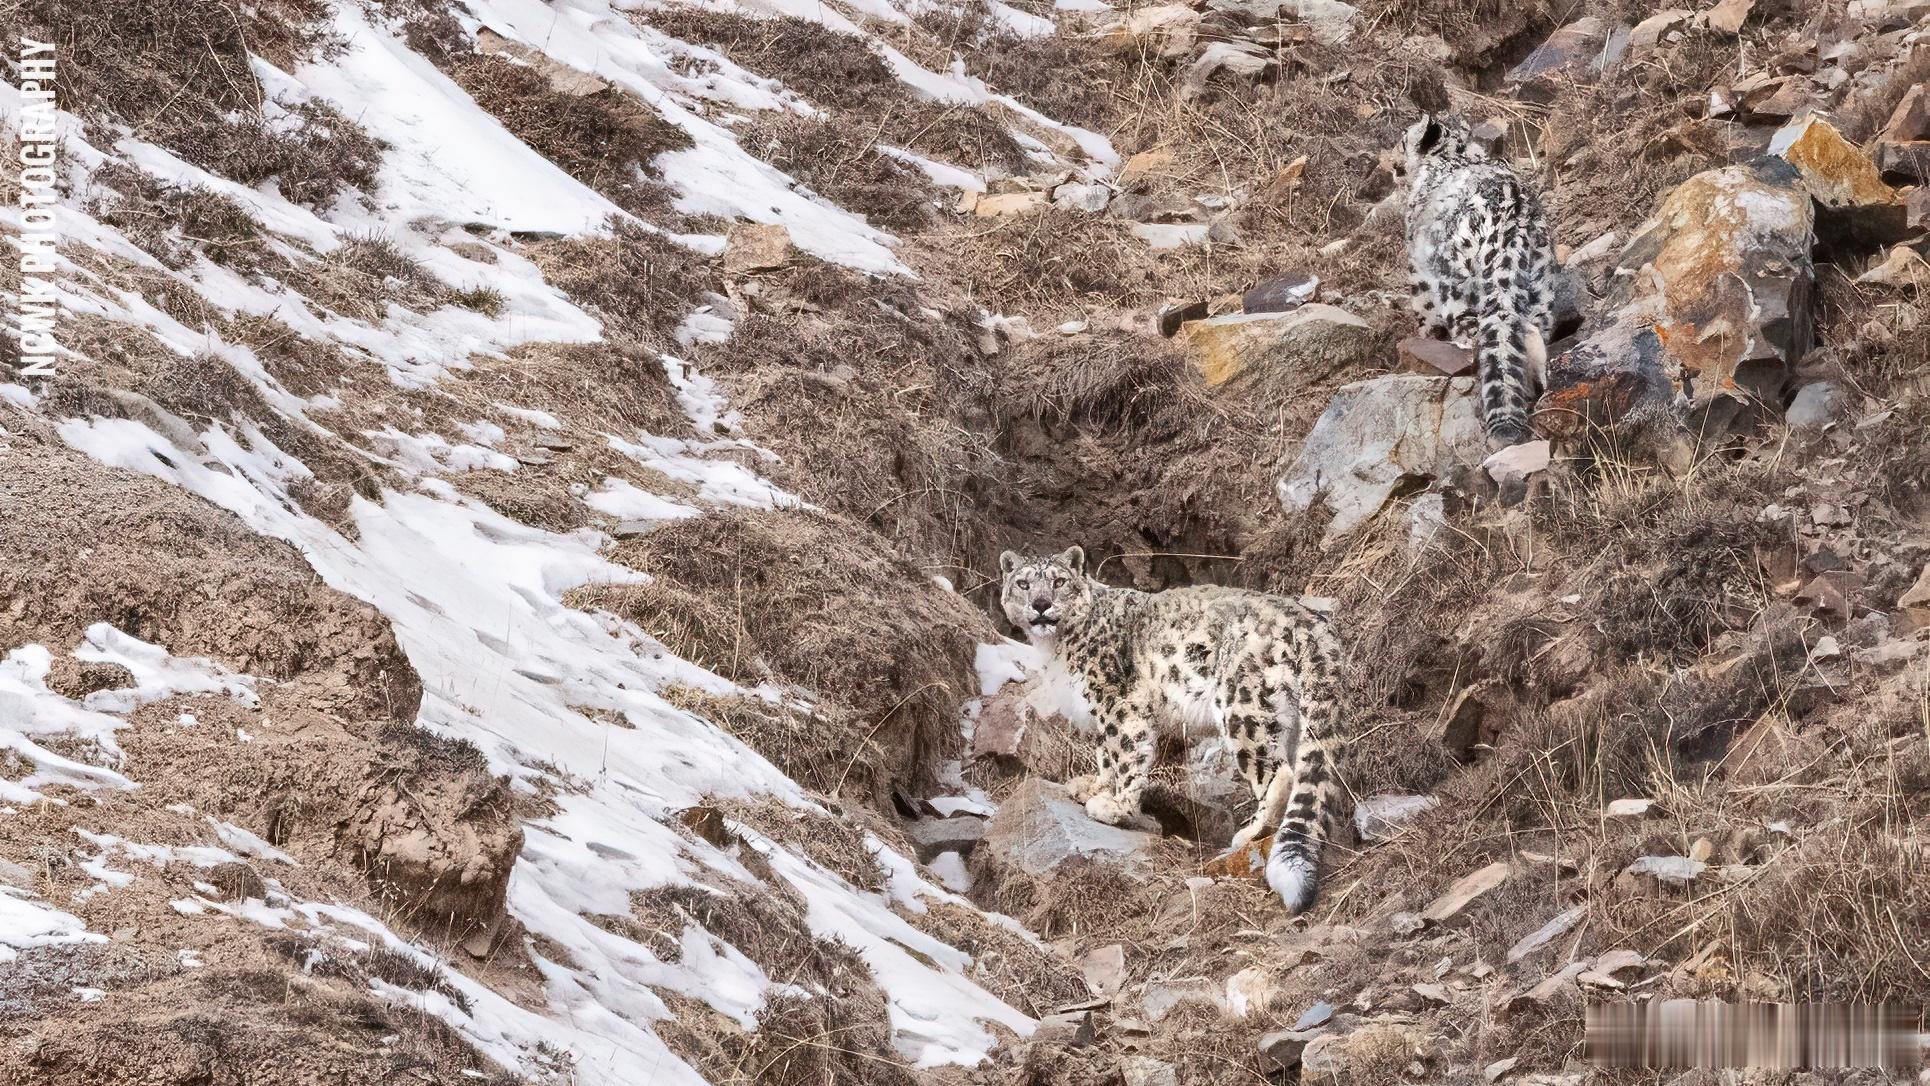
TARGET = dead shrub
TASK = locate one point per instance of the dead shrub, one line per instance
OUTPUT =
(359, 967)
(843, 164)
(1005, 963)
(606, 139)
(802, 598)
(823, 747)
(838, 845)
(172, 222)
(638, 281)
(975, 137)
(1073, 77)
(1054, 257)
(366, 274)
(829, 68)
(179, 76)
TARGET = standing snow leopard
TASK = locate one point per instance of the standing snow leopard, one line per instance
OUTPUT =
(1263, 670)
(1481, 257)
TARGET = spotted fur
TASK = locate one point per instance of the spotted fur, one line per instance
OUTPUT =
(1481, 259)
(1263, 670)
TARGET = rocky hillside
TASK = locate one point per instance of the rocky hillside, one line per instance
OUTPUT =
(501, 586)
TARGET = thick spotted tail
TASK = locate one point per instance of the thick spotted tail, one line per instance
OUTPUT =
(1505, 275)
(1293, 868)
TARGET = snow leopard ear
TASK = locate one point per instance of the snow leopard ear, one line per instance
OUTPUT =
(1009, 561)
(1074, 558)
(1430, 135)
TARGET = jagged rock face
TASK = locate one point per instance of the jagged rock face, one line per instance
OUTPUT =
(1377, 434)
(1707, 312)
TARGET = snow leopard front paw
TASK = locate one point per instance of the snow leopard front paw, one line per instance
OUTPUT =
(1110, 809)
(1083, 788)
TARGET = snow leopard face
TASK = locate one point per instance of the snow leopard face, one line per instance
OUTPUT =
(1438, 137)
(1042, 594)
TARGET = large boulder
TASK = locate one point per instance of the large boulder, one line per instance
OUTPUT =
(1378, 435)
(1312, 339)
(1039, 827)
(1706, 314)
(1854, 206)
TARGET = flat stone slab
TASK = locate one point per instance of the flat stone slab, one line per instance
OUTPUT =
(1040, 827)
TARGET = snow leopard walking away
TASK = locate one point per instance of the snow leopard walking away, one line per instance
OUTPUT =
(1263, 670)
(1481, 258)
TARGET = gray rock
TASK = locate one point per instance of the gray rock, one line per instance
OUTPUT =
(1225, 60)
(1281, 1050)
(1146, 1071)
(1465, 890)
(1159, 997)
(1379, 817)
(1678, 870)
(1577, 51)
(1547, 933)
(1040, 827)
(1070, 1028)
(1817, 404)
(1317, 1015)
(1377, 435)
(1078, 197)
(1308, 341)
(1280, 293)
(1331, 21)
(959, 833)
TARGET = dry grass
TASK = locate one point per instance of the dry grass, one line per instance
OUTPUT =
(606, 139)
(825, 748)
(179, 76)
(639, 282)
(829, 68)
(1073, 76)
(839, 845)
(837, 72)
(803, 598)
(172, 223)
(841, 162)
(1008, 965)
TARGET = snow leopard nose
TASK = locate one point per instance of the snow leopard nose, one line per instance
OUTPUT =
(1042, 606)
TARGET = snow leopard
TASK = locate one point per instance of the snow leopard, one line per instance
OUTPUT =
(1262, 669)
(1481, 259)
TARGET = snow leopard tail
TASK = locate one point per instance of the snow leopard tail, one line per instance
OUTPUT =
(1293, 868)
(1505, 281)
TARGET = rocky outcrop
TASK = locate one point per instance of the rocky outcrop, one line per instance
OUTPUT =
(1854, 207)
(1707, 311)
(1378, 435)
(1040, 827)
(1310, 339)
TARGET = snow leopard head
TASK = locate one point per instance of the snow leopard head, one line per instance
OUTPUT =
(1438, 136)
(1041, 595)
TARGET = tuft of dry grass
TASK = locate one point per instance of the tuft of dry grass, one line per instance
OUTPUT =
(179, 75)
(639, 281)
(826, 748)
(803, 598)
(843, 164)
(606, 139)
(827, 67)
(1074, 76)
(173, 222)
